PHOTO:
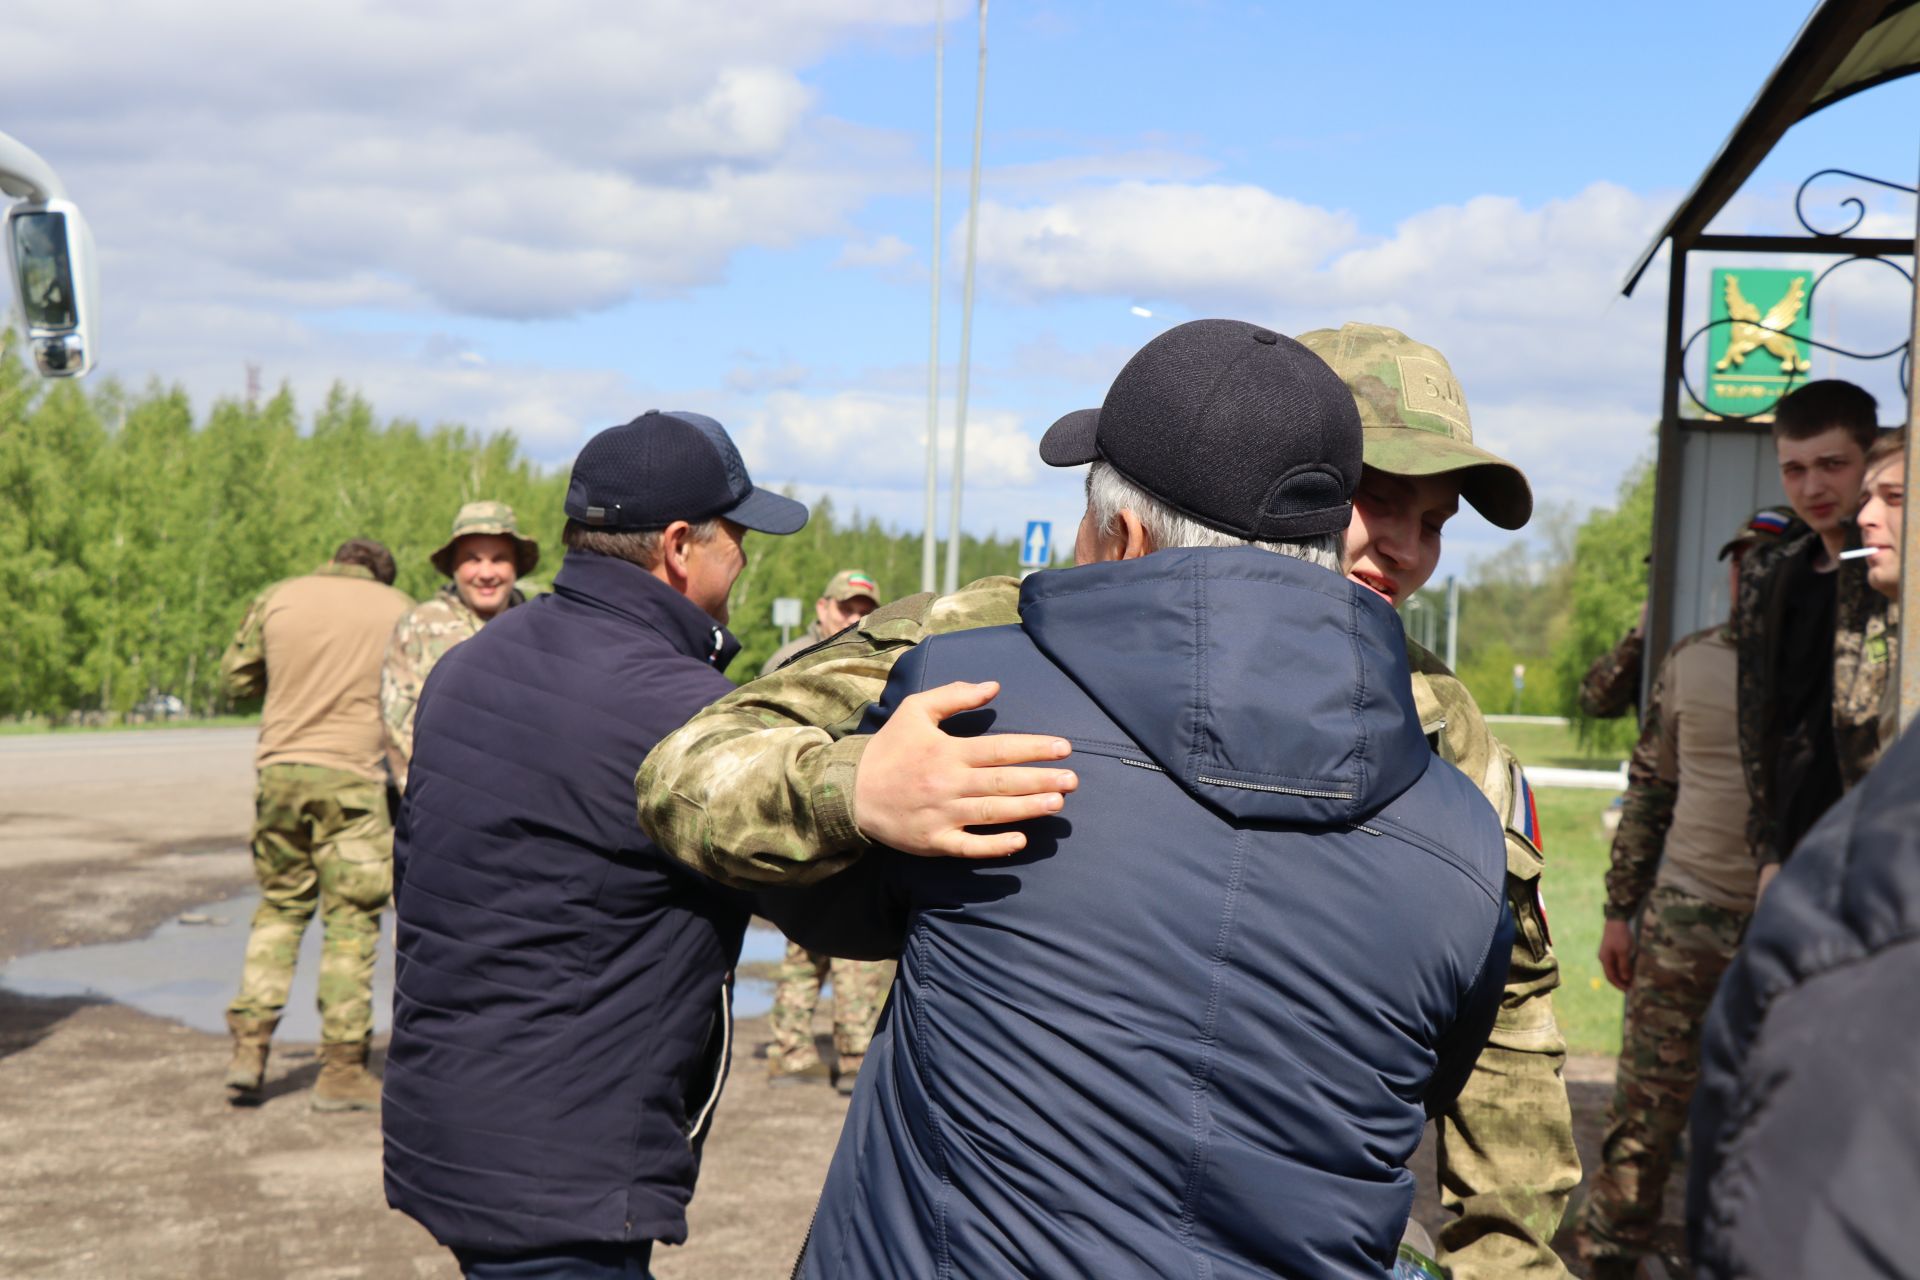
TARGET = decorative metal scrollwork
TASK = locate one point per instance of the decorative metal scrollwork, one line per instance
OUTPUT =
(1855, 203)
(1794, 375)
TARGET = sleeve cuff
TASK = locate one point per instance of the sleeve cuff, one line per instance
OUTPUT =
(833, 797)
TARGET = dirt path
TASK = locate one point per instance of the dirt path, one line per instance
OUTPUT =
(118, 1155)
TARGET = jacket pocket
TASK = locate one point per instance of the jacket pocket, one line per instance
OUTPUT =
(709, 1074)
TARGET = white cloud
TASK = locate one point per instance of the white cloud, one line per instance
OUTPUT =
(1150, 240)
(544, 161)
(862, 439)
(1562, 373)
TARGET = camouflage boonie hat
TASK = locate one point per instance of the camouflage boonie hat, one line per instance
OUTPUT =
(488, 517)
(1768, 524)
(1413, 417)
(849, 583)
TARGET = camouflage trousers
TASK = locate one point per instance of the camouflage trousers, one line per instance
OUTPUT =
(1684, 947)
(859, 990)
(321, 839)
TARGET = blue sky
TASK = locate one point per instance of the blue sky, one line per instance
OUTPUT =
(549, 222)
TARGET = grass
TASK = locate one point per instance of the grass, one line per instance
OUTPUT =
(1555, 746)
(1574, 887)
(13, 728)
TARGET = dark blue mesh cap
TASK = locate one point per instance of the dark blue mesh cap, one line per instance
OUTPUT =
(663, 467)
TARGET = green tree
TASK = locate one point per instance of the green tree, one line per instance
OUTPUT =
(1608, 591)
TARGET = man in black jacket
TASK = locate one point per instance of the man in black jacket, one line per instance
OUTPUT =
(561, 1006)
(1806, 1126)
(1259, 828)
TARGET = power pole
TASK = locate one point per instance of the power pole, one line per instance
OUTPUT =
(928, 555)
(966, 314)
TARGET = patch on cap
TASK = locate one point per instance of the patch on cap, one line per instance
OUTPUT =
(861, 582)
(1427, 386)
(1770, 523)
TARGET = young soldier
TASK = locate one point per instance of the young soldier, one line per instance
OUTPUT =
(1794, 598)
(321, 837)
(482, 560)
(1865, 698)
(1682, 870)
(763, 786)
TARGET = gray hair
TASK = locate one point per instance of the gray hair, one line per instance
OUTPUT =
(1109, 493)
(640, 546)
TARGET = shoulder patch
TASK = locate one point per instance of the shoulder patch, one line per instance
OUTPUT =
(1525, 818)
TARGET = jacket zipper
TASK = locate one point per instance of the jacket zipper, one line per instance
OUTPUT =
(1248, 786)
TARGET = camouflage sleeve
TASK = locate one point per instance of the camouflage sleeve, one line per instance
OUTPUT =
(401, 676)
(243, 667)
(1754, 707)
(1506, 1159)
(1653, 782)
(757, 789)
(1612, 683)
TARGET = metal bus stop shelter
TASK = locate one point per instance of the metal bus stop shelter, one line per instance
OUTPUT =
(1709, 470)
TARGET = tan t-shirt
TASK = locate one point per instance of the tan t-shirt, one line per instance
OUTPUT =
(1706, 851)
(324, 637)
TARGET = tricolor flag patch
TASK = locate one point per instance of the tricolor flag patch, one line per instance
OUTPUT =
(1526, 813)
(1770, 523)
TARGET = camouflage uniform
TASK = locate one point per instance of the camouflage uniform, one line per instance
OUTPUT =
(422, 639)
(321, 839)
(758, 788)
(1866, 698)
(1612, 684)
(439, 623)
(1683, 944)
(859, 989)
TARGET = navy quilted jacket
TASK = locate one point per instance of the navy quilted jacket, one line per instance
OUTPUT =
(561, 1004)
(1806, 1124)
(1197, 1027)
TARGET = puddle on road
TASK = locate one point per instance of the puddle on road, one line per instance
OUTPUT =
(189, 971)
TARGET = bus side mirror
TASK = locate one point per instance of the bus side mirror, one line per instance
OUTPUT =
(50, 260)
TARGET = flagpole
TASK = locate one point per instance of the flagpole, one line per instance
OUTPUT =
(928, 555)
(966, 315)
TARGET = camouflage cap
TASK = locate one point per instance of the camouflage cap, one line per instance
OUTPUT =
(1413, 417)
(488, 517)
(1768, 524)
(850, 583)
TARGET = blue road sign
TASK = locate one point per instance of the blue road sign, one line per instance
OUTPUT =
(1036, 550)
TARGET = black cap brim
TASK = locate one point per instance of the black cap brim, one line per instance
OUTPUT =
(1072, 441)
(768, 513)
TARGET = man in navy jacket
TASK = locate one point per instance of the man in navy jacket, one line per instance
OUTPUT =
(1196, 1026)
(561, 1006)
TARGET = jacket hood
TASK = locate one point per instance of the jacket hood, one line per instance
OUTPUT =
(1269, 688)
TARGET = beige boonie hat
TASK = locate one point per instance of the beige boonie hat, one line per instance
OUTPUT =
(488, 517)
(1413, 417)
(849, 583)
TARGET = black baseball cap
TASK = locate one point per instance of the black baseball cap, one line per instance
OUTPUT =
(1234, 425)
(663, 467)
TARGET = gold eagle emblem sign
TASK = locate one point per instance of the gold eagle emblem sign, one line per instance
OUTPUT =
(1752, 331)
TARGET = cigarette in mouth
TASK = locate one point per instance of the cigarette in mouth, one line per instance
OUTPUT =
(1856, 553)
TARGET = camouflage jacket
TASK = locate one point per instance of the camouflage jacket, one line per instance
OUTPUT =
(1653, 787)
(1773, 755)
(434, 626)
(1866, 698)
(758, 789)
(799, 644)
(1612, 684)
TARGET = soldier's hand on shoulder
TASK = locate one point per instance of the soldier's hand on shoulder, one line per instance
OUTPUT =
(918, 788)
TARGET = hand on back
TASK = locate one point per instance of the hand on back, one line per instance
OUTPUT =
(918, 788)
